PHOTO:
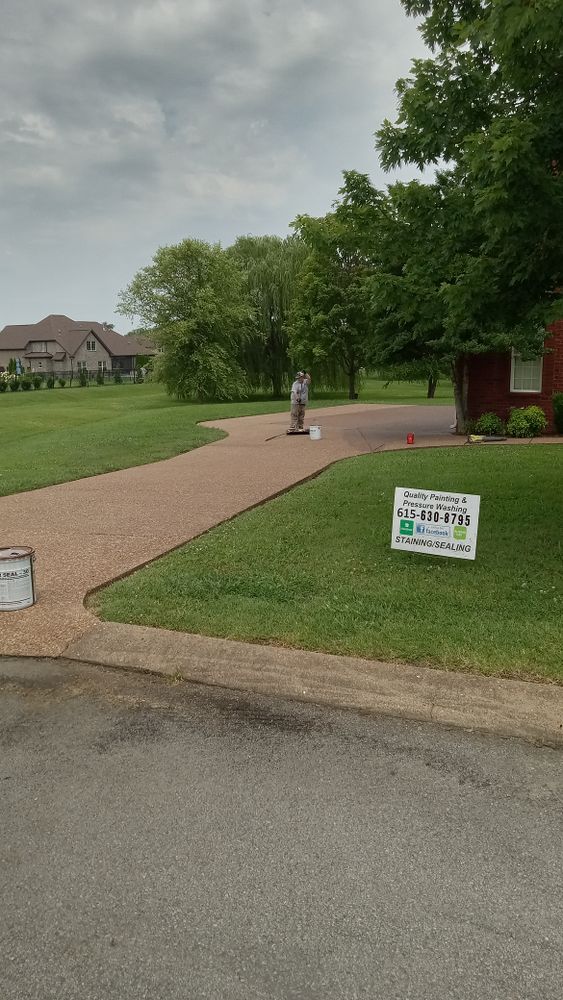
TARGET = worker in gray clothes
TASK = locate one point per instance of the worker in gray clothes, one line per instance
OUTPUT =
(299, 400)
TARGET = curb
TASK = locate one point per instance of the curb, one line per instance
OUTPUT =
(523, 709)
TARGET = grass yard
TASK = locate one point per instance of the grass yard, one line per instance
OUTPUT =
(53, 436)
(314, 568)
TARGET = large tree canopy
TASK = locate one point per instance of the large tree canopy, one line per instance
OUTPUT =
(487, 106)
(193, 299)
(488, 102)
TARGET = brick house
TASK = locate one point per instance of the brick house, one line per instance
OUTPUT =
(499, 382)
(59, 345)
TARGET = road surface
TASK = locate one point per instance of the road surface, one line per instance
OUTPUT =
(163, 841)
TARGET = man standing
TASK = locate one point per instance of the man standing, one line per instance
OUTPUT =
(299, 400)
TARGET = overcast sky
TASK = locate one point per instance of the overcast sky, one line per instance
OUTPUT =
(129, 124)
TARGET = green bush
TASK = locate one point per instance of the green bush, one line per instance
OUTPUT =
(490, 425)
(37, 381)
(3, 385)
(26, 383)
(51, 382)
(61, 382)
(558, 412)
(117, 376)
(14, 384)
(537, 419)
(100, 377)
(525, 422)
(83, 378)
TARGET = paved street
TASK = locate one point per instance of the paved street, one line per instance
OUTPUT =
(164, 841)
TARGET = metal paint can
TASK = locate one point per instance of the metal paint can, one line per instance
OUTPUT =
(17, 580)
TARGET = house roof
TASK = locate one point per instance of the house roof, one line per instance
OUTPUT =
(69, 334)
(38, 354)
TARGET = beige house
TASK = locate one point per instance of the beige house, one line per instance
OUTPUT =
(58, 345)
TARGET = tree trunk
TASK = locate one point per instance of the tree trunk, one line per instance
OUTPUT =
(460, 379)
(432, 383)
(352, 382)
(277, 384)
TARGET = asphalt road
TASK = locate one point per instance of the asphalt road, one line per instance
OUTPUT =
(176, 843)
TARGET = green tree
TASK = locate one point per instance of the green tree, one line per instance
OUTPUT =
(272, 266)
(331, 317)
(193, 299)
(488, 104)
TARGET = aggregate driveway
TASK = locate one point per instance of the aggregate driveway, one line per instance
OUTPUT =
(91, 531)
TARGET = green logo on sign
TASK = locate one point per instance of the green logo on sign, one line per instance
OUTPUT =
(460, 534)
(407, 528)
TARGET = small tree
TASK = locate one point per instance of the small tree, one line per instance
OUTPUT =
(331, 317)
(100, 379)
(193, 298)
(271, 266)
(83, 378)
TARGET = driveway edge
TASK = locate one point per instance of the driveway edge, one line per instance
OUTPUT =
(505, 707)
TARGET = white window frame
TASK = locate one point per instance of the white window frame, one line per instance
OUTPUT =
(515, 358)
(90, 345)
(102, 366)
(82, 366)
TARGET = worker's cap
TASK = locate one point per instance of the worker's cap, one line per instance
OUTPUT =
(300, 375)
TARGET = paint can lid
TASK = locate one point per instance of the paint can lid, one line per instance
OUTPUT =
(15, 552)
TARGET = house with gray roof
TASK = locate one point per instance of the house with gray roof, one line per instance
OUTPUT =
(59, 345)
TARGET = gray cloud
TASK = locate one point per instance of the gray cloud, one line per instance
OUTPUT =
(126, 124)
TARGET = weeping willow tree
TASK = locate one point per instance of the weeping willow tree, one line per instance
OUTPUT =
(271, 266)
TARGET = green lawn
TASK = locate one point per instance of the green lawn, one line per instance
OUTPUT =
(314, 568)
(53, 436)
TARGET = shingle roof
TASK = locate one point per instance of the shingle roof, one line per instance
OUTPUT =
(70, 334)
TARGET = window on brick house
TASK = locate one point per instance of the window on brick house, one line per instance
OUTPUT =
(90, 345)
(525, 375)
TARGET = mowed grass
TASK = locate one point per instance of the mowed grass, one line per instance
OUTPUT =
(314, 568)
(53, 436)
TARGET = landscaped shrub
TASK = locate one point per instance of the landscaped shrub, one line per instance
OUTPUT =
(51, 382)
(490, 425)
(82, 378)
(537, 419)
(117, 376)
(61, 382)
(3, 384)
(14, 384)
(558, 412)
(526, 422)
(37, 381)
(100, 377)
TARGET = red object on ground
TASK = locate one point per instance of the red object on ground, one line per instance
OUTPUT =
(410, 438)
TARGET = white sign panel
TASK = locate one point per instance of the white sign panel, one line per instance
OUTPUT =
(436, 524)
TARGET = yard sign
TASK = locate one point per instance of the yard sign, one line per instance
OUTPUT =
(436, 524)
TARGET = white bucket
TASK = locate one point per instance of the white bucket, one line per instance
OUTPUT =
(17, 583)
(315, 432)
